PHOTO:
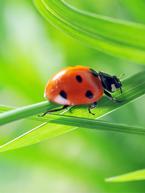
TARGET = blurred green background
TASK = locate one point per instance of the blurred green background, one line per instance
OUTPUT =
(31, 51)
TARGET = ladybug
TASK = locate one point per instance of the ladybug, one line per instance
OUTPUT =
(80, 85)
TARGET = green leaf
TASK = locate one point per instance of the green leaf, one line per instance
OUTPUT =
(133, 88)
(131, 176)
(112, 36)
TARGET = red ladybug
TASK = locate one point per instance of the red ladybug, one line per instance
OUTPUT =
(80, 85)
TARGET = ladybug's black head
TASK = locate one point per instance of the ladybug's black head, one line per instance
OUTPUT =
(110, 83)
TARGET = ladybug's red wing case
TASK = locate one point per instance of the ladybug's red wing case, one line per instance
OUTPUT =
(74, 86)
(80, 85)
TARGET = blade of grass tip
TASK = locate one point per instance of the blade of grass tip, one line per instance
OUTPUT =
(115, 37)
(131, 176)
(25, 111)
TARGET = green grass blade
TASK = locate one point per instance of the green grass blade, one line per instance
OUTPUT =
(55, 127)
(87, 123)
(131, 176)
(36, 135)
(97, 124)
(133, 87)
(115, 37)
(24, 112)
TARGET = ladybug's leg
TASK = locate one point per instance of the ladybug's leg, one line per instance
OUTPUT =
(92, 106)
(54, 110)
(70, 108)
(111, 97)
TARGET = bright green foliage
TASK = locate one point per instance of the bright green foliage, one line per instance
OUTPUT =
(112, 36)
(31, 52)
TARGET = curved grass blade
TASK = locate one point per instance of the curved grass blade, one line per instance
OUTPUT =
(131, 176)
(115, 37)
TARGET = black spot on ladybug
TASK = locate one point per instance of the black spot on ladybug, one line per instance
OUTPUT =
(79, 78)
(63, 94)
(89, 94)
